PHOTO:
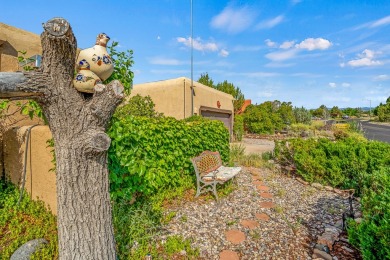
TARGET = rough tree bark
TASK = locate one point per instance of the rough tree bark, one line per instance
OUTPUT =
(78, 123)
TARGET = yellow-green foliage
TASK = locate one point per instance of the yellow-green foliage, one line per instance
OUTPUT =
(299, 127)
(316, 125)
(20, 224)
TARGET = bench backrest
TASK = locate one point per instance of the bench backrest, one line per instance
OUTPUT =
(206, 162)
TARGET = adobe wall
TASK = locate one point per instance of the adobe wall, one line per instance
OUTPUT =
(173, 97)
(40, 181)
(12, 40)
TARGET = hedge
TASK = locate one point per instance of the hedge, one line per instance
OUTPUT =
(151, 154)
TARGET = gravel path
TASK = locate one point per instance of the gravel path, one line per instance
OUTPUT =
(267, 216)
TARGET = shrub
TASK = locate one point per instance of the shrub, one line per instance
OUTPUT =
(339, 163)
(138, 106)
(148, 155)
(238, 127)
(237, 152)
(372, 235)
(20, 224)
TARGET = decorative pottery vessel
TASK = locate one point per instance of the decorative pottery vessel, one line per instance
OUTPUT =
(98, 58)
(85, 79)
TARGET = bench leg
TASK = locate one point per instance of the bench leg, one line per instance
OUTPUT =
(197, 190)
(215, 190)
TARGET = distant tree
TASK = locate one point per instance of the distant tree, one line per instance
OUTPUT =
(286, 113)
(352, 111)
(321, 112)
(335, 112)
(384, 111)
(229, 88)
(206, 80)
(138, 106)
(264, 118)
(226, 87)
(302, 115)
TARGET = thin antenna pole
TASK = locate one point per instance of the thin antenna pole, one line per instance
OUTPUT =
(192, 62)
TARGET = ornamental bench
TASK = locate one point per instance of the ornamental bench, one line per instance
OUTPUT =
(210, 172)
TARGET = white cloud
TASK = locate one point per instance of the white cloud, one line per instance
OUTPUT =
(373, 24)
(382, 77)
(164, 61)
(287, 44)
(223, 53)
(380, 22)
(158, 37)
(198, 44)
(314, 44)
(345, 84)
(366, 58)
(233, 20)
(332, 84)
(270, 23)
(282, 55)
(270, 43)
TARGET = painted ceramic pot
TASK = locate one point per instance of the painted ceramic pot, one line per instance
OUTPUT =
(85, 79)
(98, 58)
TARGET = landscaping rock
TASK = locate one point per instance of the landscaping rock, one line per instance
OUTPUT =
(290, 232)
(26, 250)
(317, 185)
(321, 254)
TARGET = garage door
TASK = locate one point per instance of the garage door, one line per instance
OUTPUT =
(224, 117)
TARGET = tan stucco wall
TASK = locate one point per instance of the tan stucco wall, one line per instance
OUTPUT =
(40, 181)
(173, 97)
(12, 40)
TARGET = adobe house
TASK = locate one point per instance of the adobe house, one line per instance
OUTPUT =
(172, 97)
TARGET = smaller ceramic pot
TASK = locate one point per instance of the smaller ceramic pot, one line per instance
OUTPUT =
(85, 79)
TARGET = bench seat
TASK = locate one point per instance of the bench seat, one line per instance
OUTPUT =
(210, 172)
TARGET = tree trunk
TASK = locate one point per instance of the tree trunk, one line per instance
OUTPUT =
(78, 123)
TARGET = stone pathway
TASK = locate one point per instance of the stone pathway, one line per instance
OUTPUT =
(268, 216)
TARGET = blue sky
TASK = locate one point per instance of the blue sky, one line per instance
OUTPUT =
(309, 52)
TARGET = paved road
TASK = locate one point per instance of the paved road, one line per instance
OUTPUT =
(376, 132)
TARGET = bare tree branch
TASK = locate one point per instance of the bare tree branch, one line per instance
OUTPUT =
(22, 84)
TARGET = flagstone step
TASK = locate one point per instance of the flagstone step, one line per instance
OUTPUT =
(235, 236)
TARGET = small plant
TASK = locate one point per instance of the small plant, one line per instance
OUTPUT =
(183, 219)
(255, 234)
(266, 156)
(168, 217)
(176, 244)
(231, 222)
(237, 152)
(278, 209)
(252, 160)
(281, 192)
